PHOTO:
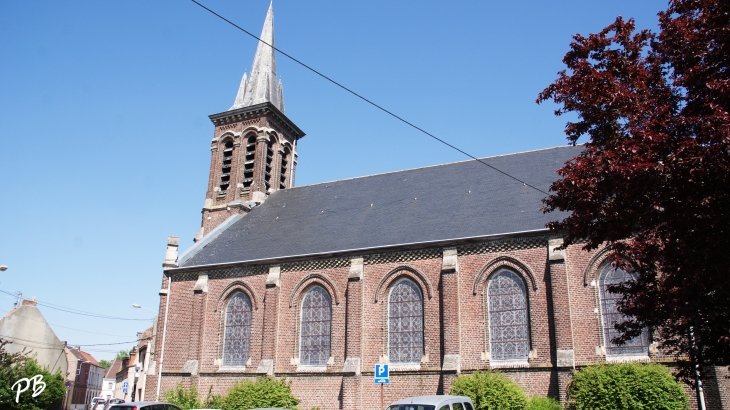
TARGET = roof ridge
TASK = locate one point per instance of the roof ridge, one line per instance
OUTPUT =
(428, 166)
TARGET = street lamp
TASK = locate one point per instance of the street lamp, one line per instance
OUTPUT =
(3, 268)
(138, 306)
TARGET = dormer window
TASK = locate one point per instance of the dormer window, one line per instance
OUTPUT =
(226, 167)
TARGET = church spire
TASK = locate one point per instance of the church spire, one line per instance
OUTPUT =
(262, 86)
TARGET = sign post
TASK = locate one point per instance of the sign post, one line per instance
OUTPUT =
(381, 377)
(125, 386)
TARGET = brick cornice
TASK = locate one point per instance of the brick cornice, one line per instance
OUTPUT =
(264, 109)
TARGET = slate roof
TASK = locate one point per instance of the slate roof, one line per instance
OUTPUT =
(431, 204)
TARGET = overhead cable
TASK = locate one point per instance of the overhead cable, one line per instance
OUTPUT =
(77, 311)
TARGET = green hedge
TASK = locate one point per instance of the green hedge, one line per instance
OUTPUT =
(264, 392)
(630, 386)
(189, 398)
(490, 390)
(543, 403)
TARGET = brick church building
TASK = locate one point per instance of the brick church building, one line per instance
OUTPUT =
(427, 270)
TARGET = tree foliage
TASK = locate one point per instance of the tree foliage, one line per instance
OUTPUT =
(264, 392)
(653, 183)
(106, 364)
(490, 390)
(17, 366)
(626, 386)
(121, 355)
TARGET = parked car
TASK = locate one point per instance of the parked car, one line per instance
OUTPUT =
(99, 405)
(92, 405)
(433, 403)
(112, 402)
(144, 405)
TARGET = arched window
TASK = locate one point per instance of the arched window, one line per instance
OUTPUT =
(405, 323)
(638, 346)
(509, 335)
(314, 346)
(237, 334)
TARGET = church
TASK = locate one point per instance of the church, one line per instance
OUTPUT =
(428, 270)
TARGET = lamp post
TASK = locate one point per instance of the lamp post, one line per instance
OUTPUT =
(3, 268)
(138, 306)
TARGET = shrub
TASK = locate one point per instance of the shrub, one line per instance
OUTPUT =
(189, 398)
(626, 386)
(14, 367)
(264, 392)
(543, 403)
(490, 390)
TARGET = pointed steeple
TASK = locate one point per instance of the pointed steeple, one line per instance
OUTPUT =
(262, 86)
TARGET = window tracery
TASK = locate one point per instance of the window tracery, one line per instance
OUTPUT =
(638, 346)
(237, 332)
(405, 323)
(509, 336)
(314, 347)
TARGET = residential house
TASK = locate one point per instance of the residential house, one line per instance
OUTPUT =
(108, 389)
(145, 365)
(126, 377)
(86, 379)
(27, 331)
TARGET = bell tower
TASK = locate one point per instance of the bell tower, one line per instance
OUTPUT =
(253, 151)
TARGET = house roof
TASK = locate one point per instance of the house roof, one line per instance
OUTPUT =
(89, 358)
(111, 373)
(432, 204)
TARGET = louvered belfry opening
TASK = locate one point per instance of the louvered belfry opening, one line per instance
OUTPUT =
(269, 159)
(282, 174)
(249, 162)
(226, 167)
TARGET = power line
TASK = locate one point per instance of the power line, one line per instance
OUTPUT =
(77, 311)
(368, 101)
(12, 339)
(66, 327)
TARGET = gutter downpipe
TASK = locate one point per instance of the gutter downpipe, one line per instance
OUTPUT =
(164, 333)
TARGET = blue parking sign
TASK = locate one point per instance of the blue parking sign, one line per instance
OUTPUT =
(382, 376)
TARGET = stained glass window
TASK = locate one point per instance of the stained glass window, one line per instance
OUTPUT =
(405, 323)
(237, 334)
(314, 349)
(638, 346)
(508, 321)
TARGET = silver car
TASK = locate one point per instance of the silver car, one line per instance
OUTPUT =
(433, 403)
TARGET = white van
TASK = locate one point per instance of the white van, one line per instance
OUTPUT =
(433, 403)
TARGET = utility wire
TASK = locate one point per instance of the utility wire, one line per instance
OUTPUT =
(66, 327)
(76, 311)
(368, 101)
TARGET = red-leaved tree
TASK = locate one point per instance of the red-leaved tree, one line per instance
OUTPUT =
(653, 183)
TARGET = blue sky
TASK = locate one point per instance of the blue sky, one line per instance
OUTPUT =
(104, 135)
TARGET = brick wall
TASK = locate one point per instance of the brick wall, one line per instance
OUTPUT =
(561, 309)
